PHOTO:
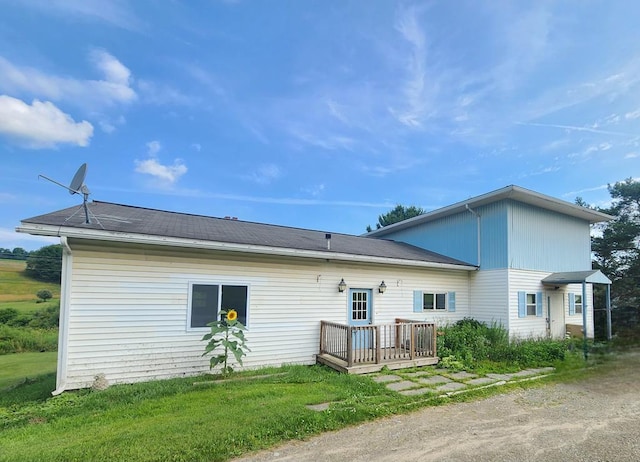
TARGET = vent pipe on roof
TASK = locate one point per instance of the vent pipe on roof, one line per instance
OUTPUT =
(327, 236)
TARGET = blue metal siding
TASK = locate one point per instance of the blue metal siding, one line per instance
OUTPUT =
(494, 235)
(547, 241)
(453, 236)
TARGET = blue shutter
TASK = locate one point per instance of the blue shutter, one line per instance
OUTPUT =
(452, 301)
(572, 304)
(417, 301)
(539, 304)
(522, 305)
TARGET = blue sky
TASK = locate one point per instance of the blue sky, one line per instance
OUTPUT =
(314, 114)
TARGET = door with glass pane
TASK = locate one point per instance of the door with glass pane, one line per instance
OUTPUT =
(360, 315)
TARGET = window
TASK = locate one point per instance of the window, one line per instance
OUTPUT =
(207, 300)
(434, 301)
(531, 304)
(578, 304)
(427, 301)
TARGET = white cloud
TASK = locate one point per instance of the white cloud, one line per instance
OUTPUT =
(114, 88)
(632, 115)
(631, 155)
(415, 86)
(109, 126)
(113, 70)
(41, 124)
(153, 148)
(266, 174)
(167, 175)
(196, 146)
(114, 12)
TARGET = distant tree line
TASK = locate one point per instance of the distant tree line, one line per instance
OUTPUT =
(18, 253)
(44, 264)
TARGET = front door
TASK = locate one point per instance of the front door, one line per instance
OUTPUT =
(360, 315)
(555, 315)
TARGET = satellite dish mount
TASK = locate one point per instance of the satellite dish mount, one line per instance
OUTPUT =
(77, 186)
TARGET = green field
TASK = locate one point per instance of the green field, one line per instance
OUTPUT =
(18, 291)
(21, 367)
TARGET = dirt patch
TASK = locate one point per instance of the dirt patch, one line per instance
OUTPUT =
(597, 419)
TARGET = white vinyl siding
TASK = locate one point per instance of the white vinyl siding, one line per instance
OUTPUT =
(128, 310)
(490, 301)
(536, 326)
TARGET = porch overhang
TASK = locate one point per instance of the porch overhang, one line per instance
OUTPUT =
(584, 278)
(576, 277)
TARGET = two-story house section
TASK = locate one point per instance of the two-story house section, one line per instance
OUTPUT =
(533, 254)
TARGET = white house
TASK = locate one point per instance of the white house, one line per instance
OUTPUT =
(140, 285)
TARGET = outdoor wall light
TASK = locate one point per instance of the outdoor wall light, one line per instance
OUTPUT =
(382, 287)
(342, 285)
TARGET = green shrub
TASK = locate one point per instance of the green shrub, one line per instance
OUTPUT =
(7, 314)
(473, 343)
(21, 339)
(47, 318)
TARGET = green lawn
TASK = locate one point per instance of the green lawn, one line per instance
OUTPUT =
(20, 367)
(176, 420)
(214, 420)
(19, 291)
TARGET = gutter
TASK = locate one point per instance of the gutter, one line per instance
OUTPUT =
(63, 330)
(47, 230)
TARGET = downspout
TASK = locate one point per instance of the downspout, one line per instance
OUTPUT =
(608, 306)
(477, 215)
(584, 320)
(63, 330)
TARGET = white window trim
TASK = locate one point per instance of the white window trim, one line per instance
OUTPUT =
(534, 304)
(219, 284)
(577, 307)
(435, 294)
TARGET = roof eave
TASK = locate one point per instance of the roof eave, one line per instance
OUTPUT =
(510, 192)
(131, 238)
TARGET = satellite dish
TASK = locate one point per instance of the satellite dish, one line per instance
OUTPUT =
(77, 186)
(78, 180)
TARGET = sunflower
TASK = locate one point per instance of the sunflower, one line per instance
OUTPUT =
(232, 315)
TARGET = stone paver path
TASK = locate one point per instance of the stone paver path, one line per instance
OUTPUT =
(434, 380)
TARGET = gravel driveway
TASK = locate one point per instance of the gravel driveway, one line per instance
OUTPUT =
(594, 420)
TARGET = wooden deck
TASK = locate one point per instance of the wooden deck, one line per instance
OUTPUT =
(364, 349)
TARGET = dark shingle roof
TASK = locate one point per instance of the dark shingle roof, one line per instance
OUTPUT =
(118, 218)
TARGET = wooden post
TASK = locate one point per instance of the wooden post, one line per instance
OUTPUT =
(378, 349)
(434, 339)
(412, 342)
(350, 346)
(322, 339)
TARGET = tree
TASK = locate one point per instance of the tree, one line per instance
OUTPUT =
(616, 251)
(45, 264)
(20, 254)
(44, 295)
(399, 213)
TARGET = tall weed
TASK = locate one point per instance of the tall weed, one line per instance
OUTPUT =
(473, 343)
(21, 339)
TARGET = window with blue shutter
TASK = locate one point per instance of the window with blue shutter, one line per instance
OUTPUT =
(539, 304)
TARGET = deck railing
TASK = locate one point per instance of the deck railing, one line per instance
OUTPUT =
(378, 343)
